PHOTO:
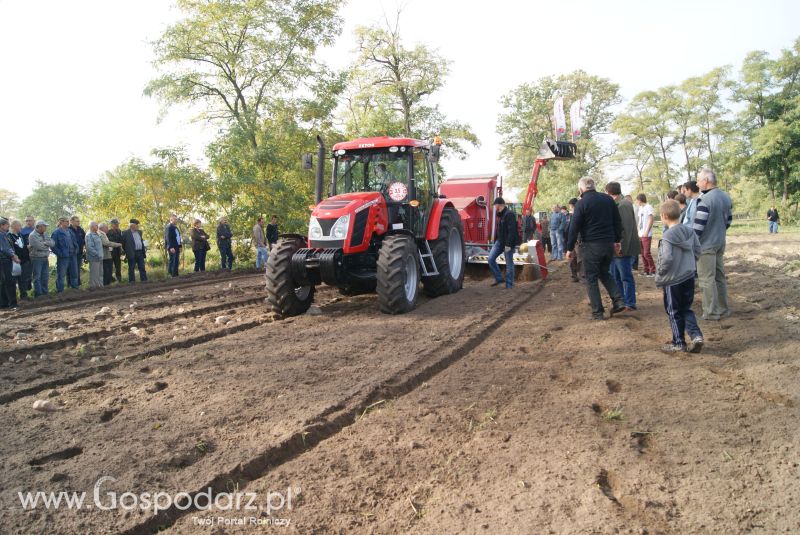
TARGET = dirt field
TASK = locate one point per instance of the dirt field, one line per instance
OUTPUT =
(482, 412)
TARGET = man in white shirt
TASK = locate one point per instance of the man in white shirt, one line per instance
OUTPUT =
(646, 218)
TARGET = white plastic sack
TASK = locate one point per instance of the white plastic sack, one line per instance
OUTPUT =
(16, 269)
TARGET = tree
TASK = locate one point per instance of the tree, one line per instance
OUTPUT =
(9, 204)
(236, 57)
(527, 119)
(150, 192)
(52, 201)
(644, 130)
(390, 87)
(705, 100)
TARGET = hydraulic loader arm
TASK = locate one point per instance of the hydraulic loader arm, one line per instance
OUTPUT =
(549, 150)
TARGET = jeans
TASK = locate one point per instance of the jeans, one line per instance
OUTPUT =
(713, 282)
(678, 304)
(174, 260)
(261, 257)
(8, 290)
(225, 255)
(77, 268)
(622, 269)
(63, 269)
(497, 250)
(647, 257)
(597, 258)
(200, 260)
(137, 262)
(773, 227)
(41, 276)
(557, 242)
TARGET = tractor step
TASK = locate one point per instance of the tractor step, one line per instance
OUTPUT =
(427, 253)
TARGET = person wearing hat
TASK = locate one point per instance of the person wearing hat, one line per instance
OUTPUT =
(114, 235)
(65, 247)
(506, 238)
(135, 251)
(8, 293)
(39, 245)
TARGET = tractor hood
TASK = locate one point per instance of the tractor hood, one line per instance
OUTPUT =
(346, 203)
(347, 221)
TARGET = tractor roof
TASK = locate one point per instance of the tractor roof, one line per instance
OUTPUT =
(380, 142)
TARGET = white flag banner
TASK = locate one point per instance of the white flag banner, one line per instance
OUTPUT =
(561, 121)
(576, 118)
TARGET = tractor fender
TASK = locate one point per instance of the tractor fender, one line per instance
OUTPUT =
(432, 232)
(300, 237)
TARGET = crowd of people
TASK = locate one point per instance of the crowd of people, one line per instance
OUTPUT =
(603, 235)
(25, 253)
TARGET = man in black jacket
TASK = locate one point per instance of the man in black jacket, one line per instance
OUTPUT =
(506, 238)
(115, 234)
(173, 244)
(596, 220)
(224, 245)
(135, 251)
(272, 232)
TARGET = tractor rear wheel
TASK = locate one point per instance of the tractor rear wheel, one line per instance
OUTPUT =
(398, 274)
(285, 297)
(449, 255)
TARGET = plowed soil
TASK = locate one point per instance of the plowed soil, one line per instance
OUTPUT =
(487, 411)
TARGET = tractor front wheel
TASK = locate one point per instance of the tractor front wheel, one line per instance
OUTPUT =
(398, 274)
(286, 297)
(449, 255)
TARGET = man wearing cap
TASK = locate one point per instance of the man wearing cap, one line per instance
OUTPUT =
(39, 245)
(8, 293)
(506, 238)
(114, 235)
(135, 251)
(65, 246)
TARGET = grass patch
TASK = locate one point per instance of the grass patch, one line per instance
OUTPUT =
(613, 414)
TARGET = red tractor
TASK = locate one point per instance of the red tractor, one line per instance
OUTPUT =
(384, 228)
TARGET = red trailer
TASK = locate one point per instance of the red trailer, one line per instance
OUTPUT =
(473, 196)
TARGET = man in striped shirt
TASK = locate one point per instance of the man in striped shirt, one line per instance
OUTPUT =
(711, 221)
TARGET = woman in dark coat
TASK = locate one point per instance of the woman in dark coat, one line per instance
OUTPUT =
(200, 245)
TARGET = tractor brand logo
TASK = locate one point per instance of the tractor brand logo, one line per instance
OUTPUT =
(365, 145)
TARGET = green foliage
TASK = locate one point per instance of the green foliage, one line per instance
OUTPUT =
(389, 89)
(528, 118)
(150, 192)
(51, 201)
(9, 204)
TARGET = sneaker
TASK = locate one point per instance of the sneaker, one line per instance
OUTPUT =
(598, 317)
(705, 317)
(495, 283)
(696, 345)
(618, 310)
(671, 349)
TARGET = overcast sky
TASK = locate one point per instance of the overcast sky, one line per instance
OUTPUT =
(72, 72)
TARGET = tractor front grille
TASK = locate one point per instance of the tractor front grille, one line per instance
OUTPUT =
(359, 228)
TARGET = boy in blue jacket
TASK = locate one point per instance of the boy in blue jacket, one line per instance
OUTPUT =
(675, 268)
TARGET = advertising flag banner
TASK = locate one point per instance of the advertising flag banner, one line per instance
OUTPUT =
(576, 118)
(560, 120)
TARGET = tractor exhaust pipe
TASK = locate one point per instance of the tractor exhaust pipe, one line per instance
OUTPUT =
(320, 170)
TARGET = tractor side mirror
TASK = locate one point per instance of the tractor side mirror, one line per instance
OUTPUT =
(308, 161)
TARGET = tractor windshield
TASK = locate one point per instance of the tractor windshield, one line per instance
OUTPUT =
(381, 171)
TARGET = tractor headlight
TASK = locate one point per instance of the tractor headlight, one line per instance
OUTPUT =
(339, 230)
(314, 230)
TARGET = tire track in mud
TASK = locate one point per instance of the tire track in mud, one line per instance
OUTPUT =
(343, 414)
(70, 378)
(123, 292)
(101, 334)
